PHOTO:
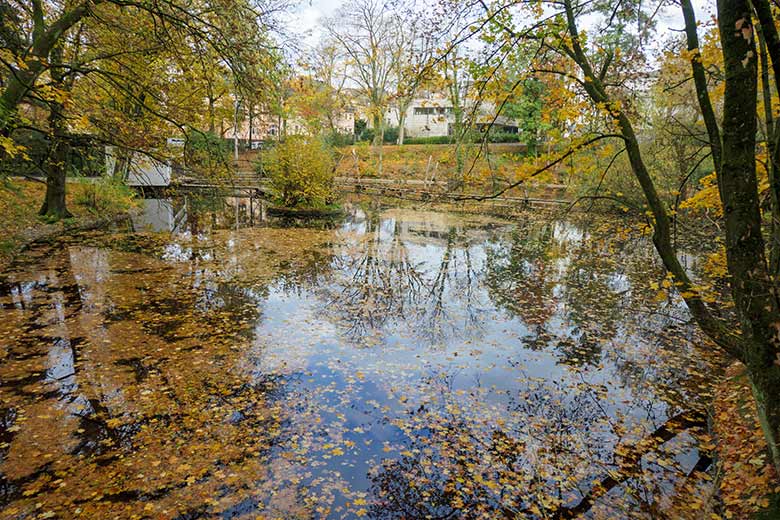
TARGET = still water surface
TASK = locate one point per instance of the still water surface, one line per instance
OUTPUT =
(400, 363)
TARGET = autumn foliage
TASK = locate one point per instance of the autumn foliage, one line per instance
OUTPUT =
(301, 173)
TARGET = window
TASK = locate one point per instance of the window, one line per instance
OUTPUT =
(430, 111)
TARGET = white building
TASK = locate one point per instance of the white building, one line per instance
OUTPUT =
(142, 170)
(267, 127)
(433, 116)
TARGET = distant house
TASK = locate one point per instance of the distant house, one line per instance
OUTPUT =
(268, 127)
(432, 115)
(344, 122)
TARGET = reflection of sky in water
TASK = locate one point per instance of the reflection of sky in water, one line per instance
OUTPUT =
(453, 331)
(405, 313)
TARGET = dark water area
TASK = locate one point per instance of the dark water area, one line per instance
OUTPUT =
(203, 361)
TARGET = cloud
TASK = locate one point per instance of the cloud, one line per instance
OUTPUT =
(306, 21)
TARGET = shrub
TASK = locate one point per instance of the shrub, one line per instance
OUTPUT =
(436, 139)
(472, 137)
(339, 139)
(301, 171)
(391, 135)
(84, 156)
(362, 132)
(503, 137)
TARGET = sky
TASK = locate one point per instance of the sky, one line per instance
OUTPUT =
(304, 21)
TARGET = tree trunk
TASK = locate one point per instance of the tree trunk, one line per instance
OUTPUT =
(457, 181)
(235, 130)
(377, 123)
(769, 41)
(712, 326)
(54, 205)
(122, 165)
(700, 81)
(772, 168)
(15, 90)
(379, 137)
(401, 123)
(755, 299)
(251, 122)
(381, 151)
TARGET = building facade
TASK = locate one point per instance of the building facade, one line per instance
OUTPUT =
(433, 115)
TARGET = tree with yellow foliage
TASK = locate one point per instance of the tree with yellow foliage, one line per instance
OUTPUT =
(605, 67)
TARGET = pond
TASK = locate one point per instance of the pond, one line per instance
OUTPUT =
(202, 361)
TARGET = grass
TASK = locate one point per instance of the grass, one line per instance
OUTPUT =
(20, 201)
(412, 161)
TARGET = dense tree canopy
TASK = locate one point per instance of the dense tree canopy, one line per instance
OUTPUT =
(130, 74)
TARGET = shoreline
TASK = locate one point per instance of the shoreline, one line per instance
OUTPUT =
(47, 231)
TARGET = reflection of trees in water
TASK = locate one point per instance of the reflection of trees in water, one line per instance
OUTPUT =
(154, 350)
(140, 371)
(517, 271)
(307, 272)
(588, 281)
(379, 284)
(538, 275)
(592, 302)
(550, 452)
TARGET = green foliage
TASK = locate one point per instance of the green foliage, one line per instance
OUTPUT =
(257, 166)
(367, 135)
(105, 195)
(207, 153)
(501, 137)
(473, 137)
(437, 139)
(339, 139)
(527, 109)
(391, 135)
(362, 132)
(84, 156)
(772, 511)
(301, 172)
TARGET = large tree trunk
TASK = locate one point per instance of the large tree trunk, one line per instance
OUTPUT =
(54, 205)
(377, 124)
(772, 168)
(754, 296)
